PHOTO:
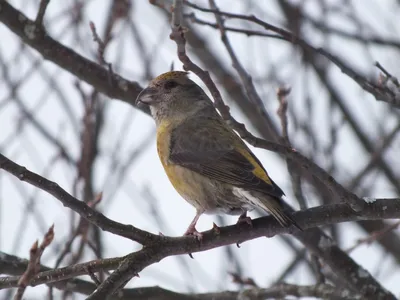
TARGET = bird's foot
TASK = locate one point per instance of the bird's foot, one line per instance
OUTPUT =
(193, 231)
(244, 219)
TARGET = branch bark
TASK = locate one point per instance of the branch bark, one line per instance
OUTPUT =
(34, 35)
(161, 247)
(13, 265)
(84, 210)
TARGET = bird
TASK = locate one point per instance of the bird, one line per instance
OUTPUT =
(207, 162)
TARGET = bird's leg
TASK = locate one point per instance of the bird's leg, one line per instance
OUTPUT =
(191, 230)
(243, 218)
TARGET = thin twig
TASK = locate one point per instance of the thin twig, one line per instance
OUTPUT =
(387, 74)
(373, 237)
(101, 48)
(380, 93)
(192, 17)
(93, 276)
(243, 281)
(34, 262)
(293, 168)
(245, 77)
(42, 10)
(282, 112)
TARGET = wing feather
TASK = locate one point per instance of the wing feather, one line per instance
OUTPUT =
(207, 146)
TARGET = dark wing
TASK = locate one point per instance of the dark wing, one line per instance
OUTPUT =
(207, 146)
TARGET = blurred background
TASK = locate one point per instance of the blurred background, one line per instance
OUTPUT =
(62, 128)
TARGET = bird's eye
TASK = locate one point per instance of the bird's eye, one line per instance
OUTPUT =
(170, 84)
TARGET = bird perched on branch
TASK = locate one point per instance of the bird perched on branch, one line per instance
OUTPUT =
(206, 161)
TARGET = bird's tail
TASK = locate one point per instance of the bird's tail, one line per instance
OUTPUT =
(276, 210)
(274, 207)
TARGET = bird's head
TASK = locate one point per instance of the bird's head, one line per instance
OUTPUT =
(173, 95)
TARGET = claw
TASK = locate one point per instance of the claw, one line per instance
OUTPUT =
(195, 233)
(243, 218)
(192, 228)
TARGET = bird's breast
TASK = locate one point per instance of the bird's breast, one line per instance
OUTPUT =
(164, 131)
(180, 177)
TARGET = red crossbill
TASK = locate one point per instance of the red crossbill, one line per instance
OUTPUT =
(208, 164)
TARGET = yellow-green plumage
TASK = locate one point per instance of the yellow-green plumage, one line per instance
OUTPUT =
(180, 177)
(206, 161)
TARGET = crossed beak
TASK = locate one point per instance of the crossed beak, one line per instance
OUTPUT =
(147, 96)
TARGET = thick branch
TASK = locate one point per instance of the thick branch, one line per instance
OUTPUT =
(12, 265)
(358, 279)
(138, 260)
(340, 263)
(266, 226)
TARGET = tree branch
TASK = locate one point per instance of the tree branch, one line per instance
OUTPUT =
(85, 211)
(380, 92)
(34, 35)
(178, 35)
(162, 247)
(340, 263)
(10, 264)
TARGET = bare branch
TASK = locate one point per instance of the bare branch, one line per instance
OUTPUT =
(345, 196)
(80, 207)
(18, 265)
(34, 263)
(378, 92)
(42, 10)
(66, 58)
(374, 237)
(307, 68)
(266, 226)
